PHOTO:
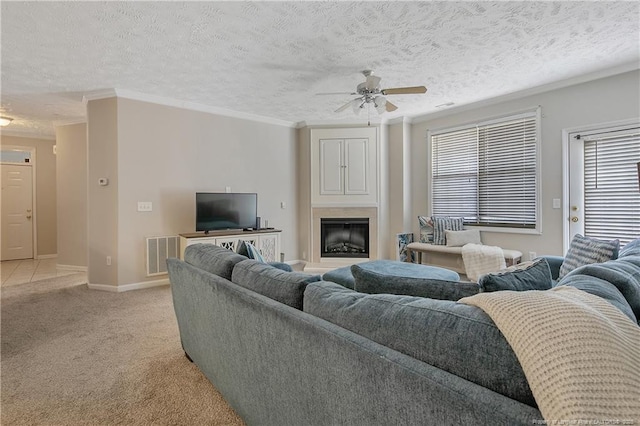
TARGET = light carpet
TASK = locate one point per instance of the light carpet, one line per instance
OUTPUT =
(74, 356)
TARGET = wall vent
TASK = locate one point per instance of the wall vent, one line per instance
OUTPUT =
(159, 249)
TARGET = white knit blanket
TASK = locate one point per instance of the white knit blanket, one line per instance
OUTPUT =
(579, 353)
(480, 259)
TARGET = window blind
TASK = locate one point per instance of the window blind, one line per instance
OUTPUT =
(487, 173)
(611, 193)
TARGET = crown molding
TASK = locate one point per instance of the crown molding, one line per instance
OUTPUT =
(609, 72)
(398, 120)
(69, 122)
(98, 94)
(26, 134)
(338, 123)
(176, 103)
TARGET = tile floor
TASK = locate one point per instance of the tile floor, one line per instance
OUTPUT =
(28, 270)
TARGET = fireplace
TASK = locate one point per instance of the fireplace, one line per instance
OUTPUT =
(344, 237)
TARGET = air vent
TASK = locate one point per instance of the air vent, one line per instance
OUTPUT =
(159, 249)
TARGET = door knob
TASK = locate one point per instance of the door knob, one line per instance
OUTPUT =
(574, 218)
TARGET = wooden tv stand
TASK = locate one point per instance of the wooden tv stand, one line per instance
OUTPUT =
(266, 240)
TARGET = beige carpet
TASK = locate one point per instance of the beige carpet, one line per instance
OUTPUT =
(74, 356)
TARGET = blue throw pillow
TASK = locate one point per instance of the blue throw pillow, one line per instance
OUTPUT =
(247, 249)
(585, 250)
(534, 275)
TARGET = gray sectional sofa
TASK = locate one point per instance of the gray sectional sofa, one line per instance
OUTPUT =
(286, 348)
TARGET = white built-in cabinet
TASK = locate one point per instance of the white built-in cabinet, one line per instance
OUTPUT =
(267, 242)
(344, 166)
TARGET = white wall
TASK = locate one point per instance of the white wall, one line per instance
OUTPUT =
(166, 154)
(71, 180)
(599, 101)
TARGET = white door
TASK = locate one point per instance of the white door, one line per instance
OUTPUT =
(604, 186)
(331, 167)
(17, 212)
(356, 159)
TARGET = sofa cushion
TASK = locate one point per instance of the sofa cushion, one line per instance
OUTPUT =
(586, 250)
(533, 275)
(385, 276)
(213, 259)
(442, 223)
(285, 287)
(342, 276)
(458, 338)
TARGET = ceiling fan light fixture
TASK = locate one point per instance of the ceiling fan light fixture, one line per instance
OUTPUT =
(380, 103)
(4, 121)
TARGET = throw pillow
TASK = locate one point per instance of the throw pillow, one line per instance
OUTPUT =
(426, 229)
(442, 223)
(585, 250)
(460, 238)
(533, 275)
(247, 249)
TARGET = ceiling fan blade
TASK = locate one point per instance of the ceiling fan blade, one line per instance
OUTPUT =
(337, 93)
(345, 106)
(390, 107)
(372, 82)
(404, 90)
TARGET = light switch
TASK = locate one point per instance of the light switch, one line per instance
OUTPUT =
(145, 206)
(556, 203)
(283, 205)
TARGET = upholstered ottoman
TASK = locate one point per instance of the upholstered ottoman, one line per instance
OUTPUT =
(390, 271)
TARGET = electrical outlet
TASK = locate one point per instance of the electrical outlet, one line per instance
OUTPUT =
(145, 206)
(532, 255)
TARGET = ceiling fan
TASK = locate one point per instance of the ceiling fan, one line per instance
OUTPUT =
(369, 92)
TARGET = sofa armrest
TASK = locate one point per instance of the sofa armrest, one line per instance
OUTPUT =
(555, 262)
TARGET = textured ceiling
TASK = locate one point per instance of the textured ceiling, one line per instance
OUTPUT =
(271, 58)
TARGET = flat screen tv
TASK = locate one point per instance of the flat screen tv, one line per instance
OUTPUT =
(223, 210)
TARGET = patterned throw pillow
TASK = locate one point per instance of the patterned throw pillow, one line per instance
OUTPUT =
(426, 229)
(584, 250)
(442, 223)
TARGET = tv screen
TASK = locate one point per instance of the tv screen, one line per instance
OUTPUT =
(218, 210)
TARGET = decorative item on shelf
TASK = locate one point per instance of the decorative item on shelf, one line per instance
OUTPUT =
(401, 245)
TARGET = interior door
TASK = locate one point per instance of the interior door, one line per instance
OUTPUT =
(604, 186)
(17, 212)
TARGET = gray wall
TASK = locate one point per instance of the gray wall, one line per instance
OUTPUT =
(71, 181)
(165, 155)
(599, 101)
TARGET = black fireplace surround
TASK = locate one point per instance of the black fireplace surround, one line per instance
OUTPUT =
(344, 237)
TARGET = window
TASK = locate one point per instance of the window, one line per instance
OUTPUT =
(611, 194)
(488, 172)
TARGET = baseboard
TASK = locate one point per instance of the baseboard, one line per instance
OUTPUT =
(293, 262)
(46, 256)
(128, 287)
(71, 268)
